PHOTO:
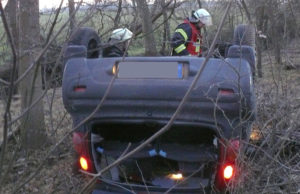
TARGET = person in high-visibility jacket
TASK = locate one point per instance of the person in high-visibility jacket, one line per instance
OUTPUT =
(187, 38)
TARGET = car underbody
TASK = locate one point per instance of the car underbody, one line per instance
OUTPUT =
(197, 154)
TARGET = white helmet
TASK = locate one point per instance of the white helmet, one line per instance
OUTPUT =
(201, 15)
(121, 34)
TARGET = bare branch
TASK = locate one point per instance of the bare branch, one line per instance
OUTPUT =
(247, 11)
(118, 15)
(11, 86)
(54, 22)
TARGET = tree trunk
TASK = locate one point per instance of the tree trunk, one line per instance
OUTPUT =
(276, 37)
(32, 124)
(144, 13)
(72, 18)
(259, 23)
(246, 11)
(166, 33)
(155, 5)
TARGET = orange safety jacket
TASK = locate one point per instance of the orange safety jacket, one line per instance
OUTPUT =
(193, 46)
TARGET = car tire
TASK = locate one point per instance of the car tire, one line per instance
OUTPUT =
(244, 35)
(244, 45)
(87, 37)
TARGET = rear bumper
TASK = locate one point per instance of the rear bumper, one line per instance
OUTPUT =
(120, 188)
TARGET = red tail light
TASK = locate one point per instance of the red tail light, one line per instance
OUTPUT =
(81, 146)
(227, 160)
(228, 172)
(83, 163)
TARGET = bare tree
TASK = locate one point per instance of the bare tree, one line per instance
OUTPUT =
(11, 11)
(144, 13)
(32, 124)
(155, 5)
(260, 12)
(7, 114)
(72, 17)
(244, 5)
(276, 28)
(166, 32)
(168, 6)
(199, 3)
(117, 18)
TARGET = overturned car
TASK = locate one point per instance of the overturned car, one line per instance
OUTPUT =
(197, 154)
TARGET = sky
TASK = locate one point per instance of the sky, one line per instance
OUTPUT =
(51, 3)
(48, 3)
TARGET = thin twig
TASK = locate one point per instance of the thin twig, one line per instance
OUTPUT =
(4, 82)
(54, 22)
(142, 175)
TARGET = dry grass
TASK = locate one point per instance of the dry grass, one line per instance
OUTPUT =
(57, 174)
(272, 163)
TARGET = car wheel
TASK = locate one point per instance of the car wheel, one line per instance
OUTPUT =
(244, 35)
(86, 37)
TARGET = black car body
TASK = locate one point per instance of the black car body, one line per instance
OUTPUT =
(197, 154)
(205, 135)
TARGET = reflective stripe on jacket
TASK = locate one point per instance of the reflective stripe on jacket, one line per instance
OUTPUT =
(186, 40)
(182, 35)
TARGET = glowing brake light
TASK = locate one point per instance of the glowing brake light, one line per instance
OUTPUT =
(177, 176)
(228, 172)
(83, 163)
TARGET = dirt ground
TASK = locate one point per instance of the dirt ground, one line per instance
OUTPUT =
(57, 175)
